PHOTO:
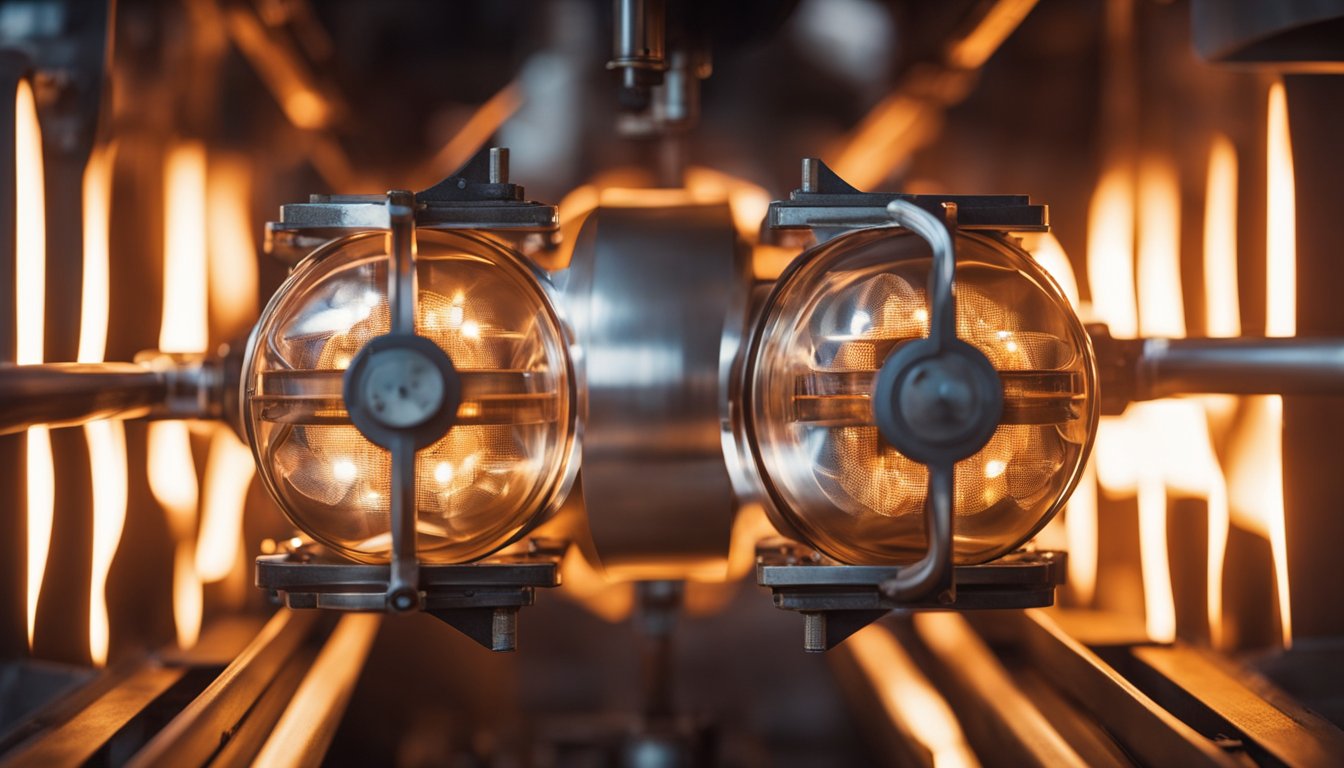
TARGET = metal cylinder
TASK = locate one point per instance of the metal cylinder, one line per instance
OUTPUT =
(157, 385)
(1242, 366)
(63, 394)
(658, 300)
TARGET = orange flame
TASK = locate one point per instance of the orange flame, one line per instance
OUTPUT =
(228, 472)
(1080, 516)
(232, 252)
(172, 474)
(1164, 446)
(106, 439)
(30, 302)
(1257, 447)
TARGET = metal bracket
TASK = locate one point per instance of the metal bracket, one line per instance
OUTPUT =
(478, 196)
(480, 599)
(838, 600)
(828, 203)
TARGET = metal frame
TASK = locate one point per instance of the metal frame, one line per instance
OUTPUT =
(837, 600)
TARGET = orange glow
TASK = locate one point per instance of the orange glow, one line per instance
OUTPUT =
(285, 75)
(748, 202)
(478, 129)
(1080, 525)
(320, 700)
(106, 439)
(232, 254)
(1222, 314)
(184, 259)
(577, 202)
(172, 479)
(228, 473)
(95, 291)
(1161, 310)
(585, 585)
(1164, 446)
(1222, 318)
(973, 50)
(884, 139)
(107, 459)
(1256, 450)
(30, 277)
(1110, 253)
(908, 697)
(1046, 250)
(1281, 227)
(172, 473)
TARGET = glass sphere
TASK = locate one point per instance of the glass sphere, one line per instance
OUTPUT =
(507, 461)
(832, 320)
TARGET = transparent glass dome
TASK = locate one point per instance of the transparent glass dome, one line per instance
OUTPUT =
(504, 465)
(832, 320)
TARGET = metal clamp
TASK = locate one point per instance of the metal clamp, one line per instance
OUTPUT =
(828, 205)
(936, 400)
(479, 196)
(402, 393)
(837, 600)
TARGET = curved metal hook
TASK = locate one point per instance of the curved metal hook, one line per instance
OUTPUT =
(932, 573)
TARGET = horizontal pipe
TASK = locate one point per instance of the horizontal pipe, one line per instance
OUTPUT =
(158, 385)
(1240, 366)
(65, 394)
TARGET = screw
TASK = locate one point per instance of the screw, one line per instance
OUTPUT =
(404, 600)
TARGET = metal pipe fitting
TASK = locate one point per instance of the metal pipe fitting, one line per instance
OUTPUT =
(1133, 370)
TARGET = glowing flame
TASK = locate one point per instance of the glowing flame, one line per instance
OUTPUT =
(748, 202)
(1257, 447)
(228, 472)
(1110, 253)
(184, 326)
(1080, 525)
(1080, 516)
(1222, 315)
(172, 474)
(172, 479)
(107, 458)
(1161, 446)
(908, 697)
(30, 302)
(1222, 318)
(106, 439)
(232, 253)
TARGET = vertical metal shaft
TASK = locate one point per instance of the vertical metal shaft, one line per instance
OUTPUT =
(404, 576)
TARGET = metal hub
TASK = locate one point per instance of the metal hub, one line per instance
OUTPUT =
(937, 405)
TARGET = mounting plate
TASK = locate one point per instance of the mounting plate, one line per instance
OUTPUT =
(837, 600)
(479, 599)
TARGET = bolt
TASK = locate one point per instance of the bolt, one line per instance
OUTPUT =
(403, 600)
(811, 175)
(504, 629)
(814, 632)
(499, 165)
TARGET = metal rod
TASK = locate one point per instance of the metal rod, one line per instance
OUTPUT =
(934, 569)
(403, 586)
(1242, 366)
(65, 394)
